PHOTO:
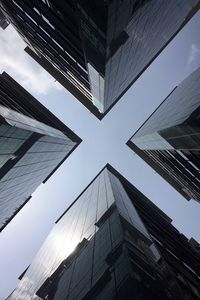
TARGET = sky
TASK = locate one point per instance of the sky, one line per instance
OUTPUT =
(103, 142)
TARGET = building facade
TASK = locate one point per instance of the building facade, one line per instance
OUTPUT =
(3, 21)
(113, 243)
(34, 143)
(169, 140)
(97, 49)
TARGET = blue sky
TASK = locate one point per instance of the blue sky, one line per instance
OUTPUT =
(103, 142)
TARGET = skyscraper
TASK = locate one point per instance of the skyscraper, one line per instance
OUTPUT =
(33, 142)
(169, 140)
(113, 243)
(97, 49)
(3, 21)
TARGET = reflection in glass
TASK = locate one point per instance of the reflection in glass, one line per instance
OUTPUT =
(169, 139)
(121, 38)
(100, 249)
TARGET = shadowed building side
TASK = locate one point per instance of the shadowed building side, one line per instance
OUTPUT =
(97, 49)
(3, 21)
(113, 243)
(34, 143)
(169, 140)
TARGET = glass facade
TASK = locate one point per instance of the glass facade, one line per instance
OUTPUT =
(97, 49)
(99, 249)
(29, 152)
(175, 123)
(170, 137)
(122, 38)
(34, 143)
(3, 22)
(50, 29)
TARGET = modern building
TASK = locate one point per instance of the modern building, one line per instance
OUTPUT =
(169, 140)
(97, 49)
(113, 243)
(3, 21)
(33, 142)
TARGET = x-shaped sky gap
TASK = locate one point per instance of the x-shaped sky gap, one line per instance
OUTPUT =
(103, 142)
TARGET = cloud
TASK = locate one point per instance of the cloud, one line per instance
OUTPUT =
(21, 67)
(193, 54)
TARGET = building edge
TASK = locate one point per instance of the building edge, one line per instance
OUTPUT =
(64, 82)
(158, 169)
(61, 126)
(126, 182)
(15, 213)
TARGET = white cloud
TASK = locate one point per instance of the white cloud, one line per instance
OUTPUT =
(21, 67)
(194, 52)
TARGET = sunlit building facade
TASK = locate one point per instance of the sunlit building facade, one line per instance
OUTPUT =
(33, 142)
(169, 140)
(97, 49)
(113, 243)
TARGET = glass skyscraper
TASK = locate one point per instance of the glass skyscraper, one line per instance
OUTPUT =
(169, 140)
(3, 22)
(112, 243)
(97, 49)
(33, 145)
